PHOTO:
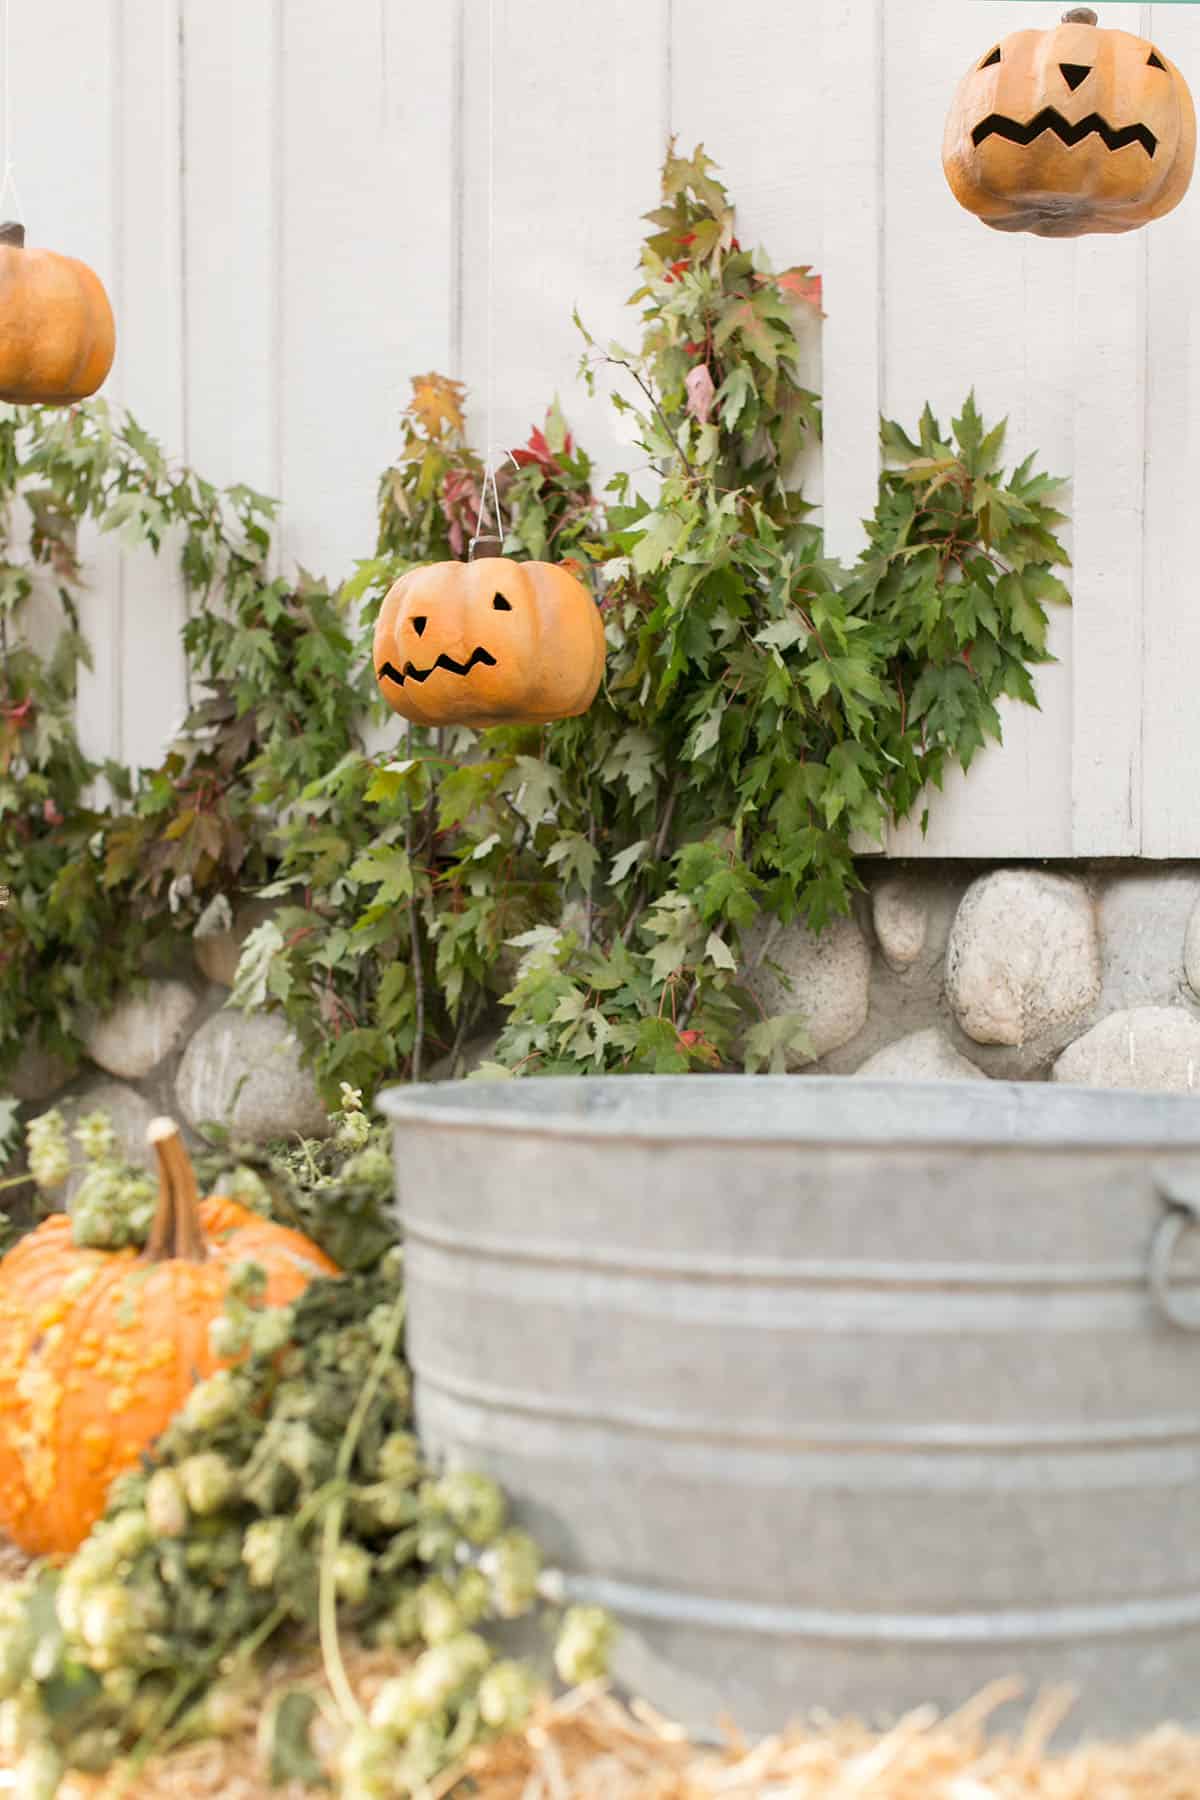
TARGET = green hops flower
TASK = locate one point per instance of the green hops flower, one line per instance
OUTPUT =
(109, 1625)
(212, 1402)
(224, 1710)
(402, 1625)
(48, 1151)
(15, 1646)
(166, 1504)
(384, 1507)
(121, 1688)
(299, 1449)
(128, 1491)
(247, 1280)
(395, 1708)
(441, 1672)
(208, 1481)
(400, 1458)
(113, 1207)
(584, 1645)
(512, 1565)
(475, 1503)
(424, 1755)
(248, 1188)
(270, 1333)
(437, 1612)
(352, 1131)
(129, 1533)
(473, 1595)
(366, 1764)
(14, 1729)
(506, 1696)
(351, 1100)
(95, 1136)
(264, 1547)
(227, 1335)
(381, 1324)
(373, 1167)
(39, 1773)
(352, 1573)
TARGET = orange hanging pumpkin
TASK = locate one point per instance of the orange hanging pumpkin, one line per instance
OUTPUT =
(490, 642)
(1070, 130)
(57, 337)
(100, 1348)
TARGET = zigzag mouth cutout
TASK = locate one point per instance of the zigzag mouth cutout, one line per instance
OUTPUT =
(412, 673)
(996, 125)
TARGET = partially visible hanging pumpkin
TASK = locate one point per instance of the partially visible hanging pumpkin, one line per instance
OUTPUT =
(100, 1348)
(1069, 131)
(57, 337)
(489, 642)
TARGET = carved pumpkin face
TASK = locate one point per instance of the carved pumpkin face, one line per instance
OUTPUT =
(491, 642)
(1069, 131)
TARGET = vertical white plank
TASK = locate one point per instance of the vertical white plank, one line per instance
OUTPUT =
(366, 254)
(147, 374)
(967, 307)
(852, 35)
(1108, 512)
(767, 135)
(64, 73)
(1108, 377)
(231, 54)
(1171, 620)
(577, 163)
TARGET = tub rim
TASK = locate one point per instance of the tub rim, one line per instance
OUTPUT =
(982, 1115)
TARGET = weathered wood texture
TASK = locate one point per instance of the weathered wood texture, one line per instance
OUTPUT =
(289, 204)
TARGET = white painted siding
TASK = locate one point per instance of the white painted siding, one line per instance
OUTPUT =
(288, 202)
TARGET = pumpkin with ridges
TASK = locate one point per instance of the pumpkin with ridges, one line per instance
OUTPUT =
(1070, 131)
(490, 642)
(57, 338)
(99, 1349)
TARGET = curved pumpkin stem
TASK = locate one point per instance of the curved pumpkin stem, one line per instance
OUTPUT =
(175, 1235)
(1080, 15)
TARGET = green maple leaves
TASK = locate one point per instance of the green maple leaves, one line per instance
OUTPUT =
(763, 707)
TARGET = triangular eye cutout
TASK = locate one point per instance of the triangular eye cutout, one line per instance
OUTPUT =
(993, 58)
(1155, 61)
(501, 604)
(1074, 73)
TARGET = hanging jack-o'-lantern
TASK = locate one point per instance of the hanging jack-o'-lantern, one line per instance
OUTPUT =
(57, 337)
(1070, 130)
(489, 642)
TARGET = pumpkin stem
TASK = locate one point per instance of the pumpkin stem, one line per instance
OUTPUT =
(482, 547)
(1080, 15)
(175, 1235)
(13, 234)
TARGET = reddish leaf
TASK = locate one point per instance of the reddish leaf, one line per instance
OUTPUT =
(802, 284)
(537, 450)
(700, 393)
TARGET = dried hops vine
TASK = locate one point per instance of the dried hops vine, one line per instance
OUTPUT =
(581, 891)
(288, 1498)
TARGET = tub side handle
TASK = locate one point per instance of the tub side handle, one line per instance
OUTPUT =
(1179, 1191)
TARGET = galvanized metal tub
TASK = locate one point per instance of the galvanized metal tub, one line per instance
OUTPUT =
(841, 1394)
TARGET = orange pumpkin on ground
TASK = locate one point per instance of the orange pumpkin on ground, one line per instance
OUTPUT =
(1069, 131)
(100, 1348)
(489, 642)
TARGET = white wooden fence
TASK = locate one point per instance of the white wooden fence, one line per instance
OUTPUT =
(287, 200)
